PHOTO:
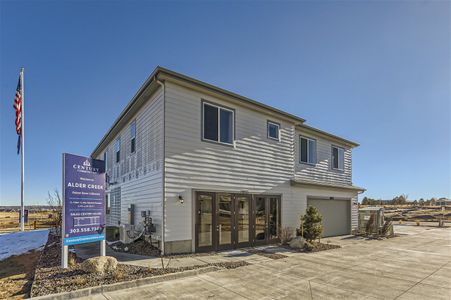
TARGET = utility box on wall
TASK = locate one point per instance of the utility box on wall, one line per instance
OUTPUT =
(131, 214)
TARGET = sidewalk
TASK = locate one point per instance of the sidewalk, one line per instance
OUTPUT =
(93, 249)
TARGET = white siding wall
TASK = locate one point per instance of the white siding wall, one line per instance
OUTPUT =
(140, 174)
(322, 171)
(256, 165)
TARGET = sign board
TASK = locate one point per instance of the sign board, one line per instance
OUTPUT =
(84, 200)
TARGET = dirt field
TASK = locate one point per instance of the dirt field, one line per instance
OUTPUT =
(420, 214)
(16, 275)
(9, 221)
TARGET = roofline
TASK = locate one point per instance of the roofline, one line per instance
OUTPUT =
(329, 135)
(228, 93)
(160, 70)
(326, 185)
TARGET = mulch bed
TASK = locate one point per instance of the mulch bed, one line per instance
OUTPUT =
(316, 247)
(50, 278)
(139, 247)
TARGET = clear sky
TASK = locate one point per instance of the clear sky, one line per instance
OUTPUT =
(377, 72)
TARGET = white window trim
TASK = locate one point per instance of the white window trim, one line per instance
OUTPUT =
(278, 130)
(308, 151)
(219, 124)
(116, 142)
(332, 156)
(133, 137)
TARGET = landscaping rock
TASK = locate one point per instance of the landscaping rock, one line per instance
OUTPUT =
(297, 242)
(99, 265)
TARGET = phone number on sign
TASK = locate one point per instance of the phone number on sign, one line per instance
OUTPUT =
(83, 229)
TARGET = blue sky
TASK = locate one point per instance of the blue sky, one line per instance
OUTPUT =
(377, 72)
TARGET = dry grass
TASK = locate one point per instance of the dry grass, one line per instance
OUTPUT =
(16, 275)
(9, 221)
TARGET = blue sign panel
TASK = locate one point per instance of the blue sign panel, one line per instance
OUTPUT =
(84, 199)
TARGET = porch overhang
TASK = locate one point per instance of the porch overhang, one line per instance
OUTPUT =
(306, 183)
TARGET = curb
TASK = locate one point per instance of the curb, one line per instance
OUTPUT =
(126, 284)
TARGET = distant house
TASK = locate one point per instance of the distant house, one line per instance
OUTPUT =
(218, 170)
(443, 202)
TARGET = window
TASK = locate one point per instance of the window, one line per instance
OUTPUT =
(273, 130)
(133, 137)
(218, 123)
(117, 149)
(107, 204)
(307, 149)
(105, 157)
(338, 158)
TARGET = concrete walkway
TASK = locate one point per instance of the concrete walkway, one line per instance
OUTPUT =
(415, 265)
(93, 249)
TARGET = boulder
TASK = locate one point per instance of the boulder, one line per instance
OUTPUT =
(99, 265)
(297, 242)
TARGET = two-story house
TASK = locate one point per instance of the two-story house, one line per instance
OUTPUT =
(217, 170)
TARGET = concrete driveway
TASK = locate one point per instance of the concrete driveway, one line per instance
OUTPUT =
(415, 265)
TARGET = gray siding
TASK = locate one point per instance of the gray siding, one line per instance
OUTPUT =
(140, 175)
(322, 172)
(256, 164)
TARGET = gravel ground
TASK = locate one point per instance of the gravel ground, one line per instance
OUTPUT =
(50, 278)
(139, 247)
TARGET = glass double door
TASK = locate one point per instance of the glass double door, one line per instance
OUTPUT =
(222, 221)
(227, 221)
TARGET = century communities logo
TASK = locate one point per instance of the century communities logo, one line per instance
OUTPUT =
(85, 167)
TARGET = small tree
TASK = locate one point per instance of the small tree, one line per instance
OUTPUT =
(311, 226)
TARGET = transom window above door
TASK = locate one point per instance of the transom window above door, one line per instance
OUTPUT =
(307, 150)
(218, 123)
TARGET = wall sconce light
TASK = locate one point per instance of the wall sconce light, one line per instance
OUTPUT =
(181, 200)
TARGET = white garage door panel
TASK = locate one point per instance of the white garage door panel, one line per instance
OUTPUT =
(336, 215)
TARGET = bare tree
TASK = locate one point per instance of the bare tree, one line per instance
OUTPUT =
(56, 206)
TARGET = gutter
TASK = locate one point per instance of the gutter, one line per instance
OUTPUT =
(163, 219)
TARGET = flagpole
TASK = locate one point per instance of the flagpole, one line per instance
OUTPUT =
(22, 147)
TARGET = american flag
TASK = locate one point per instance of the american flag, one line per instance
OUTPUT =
(18, 107)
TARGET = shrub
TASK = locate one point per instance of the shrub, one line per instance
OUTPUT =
(285, 234)
(308, 247)
(311, 226)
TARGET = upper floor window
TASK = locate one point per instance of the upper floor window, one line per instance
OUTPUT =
(105, 157)
(307, 149)
(273, 130)
(117, 149)
(338, 158)
(133, 137)
(217, 123)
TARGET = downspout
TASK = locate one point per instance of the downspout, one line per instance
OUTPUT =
(163, 219)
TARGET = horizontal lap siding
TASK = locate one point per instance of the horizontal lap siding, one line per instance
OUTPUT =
(256, 165)
(322, 172)
(140, 174)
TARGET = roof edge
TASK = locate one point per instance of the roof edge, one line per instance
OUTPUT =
(329, 135)
(211, 87)
(327, 185)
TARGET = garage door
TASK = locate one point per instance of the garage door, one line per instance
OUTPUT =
(336, 215)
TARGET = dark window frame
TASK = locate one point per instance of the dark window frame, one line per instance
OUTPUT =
(219, 107)
(117, 151)
(332, 162)
(269, 122)
(133, 138)
(308, 151)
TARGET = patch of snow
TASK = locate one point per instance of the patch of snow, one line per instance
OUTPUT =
(21, 242)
